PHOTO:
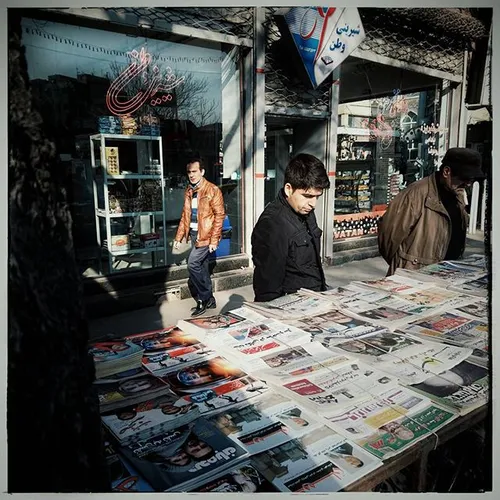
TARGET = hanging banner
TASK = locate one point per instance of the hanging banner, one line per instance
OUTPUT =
(324, 37)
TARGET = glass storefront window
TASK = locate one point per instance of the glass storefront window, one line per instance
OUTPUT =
(89, 81)
(384, 145)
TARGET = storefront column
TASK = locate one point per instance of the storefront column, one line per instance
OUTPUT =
(454, 123)
(259, 107)
(248, 152)
(444, 119)
(462, 131)
(331, 165)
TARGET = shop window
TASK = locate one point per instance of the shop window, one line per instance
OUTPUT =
(194, 107)
(390, 142)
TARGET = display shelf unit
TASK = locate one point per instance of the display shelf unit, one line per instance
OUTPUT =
(353, 186)
(149, 151)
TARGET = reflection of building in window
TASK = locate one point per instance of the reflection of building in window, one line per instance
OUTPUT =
(409, 124)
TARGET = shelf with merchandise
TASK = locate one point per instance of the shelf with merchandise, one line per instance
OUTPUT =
(132, 251)
(125, 137)
(101, 213)
(129, 199)
(135, 176)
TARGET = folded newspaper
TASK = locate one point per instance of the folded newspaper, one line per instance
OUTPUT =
(245, 478)
(292, 306)
(208, 328)
(330, 389)
(398, 435)
(407, 358)
(256, 340)
(321, 461)
(462, 388)
(454, 329)
(334, 326)
(264, 422)
(295, 361)
(361, 420)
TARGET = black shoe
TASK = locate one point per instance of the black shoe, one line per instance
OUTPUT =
(201, 307)
(211, 304)
(194, 308)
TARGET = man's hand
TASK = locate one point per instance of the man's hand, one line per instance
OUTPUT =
(212, 248)
(177, 244)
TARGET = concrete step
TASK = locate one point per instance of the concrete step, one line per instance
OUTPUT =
(354, 243)
(117, 302)
(345, 256)
(132, 280)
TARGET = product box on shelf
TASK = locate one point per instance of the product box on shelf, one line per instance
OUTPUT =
(112, 162)
(120, 242)
(150, 240)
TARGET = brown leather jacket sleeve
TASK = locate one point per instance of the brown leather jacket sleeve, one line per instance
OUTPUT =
(400, 217)
(183, 229)
(217, 205)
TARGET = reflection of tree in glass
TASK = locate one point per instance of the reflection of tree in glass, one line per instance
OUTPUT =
(189, 95)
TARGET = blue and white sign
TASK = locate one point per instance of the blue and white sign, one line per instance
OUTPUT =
(324, 37)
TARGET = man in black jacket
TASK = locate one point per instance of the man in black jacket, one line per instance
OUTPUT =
(286, 238)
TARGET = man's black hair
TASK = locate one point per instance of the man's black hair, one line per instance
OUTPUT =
(306, 172)
(195, 159)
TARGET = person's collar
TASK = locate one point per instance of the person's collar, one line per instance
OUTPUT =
(443, 189)
(197, 185)
(283, 199)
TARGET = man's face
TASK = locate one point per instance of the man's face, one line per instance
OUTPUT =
(196, 448)
(302, 200)
(453, 182)
(180, 458)
(194, 172)
(354, 461)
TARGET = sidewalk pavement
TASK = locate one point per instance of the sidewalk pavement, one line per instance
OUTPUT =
(168, 313)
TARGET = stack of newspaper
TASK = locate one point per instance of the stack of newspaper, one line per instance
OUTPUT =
(115, 356)
(308, 393)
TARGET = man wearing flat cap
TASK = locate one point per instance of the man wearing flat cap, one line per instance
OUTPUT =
(427, 222)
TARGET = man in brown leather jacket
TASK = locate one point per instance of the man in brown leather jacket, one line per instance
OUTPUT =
(427, 222)
(201, 222)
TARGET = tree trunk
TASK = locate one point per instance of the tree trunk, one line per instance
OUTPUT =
(53, 423)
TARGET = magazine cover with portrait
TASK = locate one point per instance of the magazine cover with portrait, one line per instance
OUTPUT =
(124, 478)
(214, 384)
(216, 322)
(132, 390)
(243, 479)
(113, 350)
(173, 460)
(149, 417)
(159, 340)
(201, 376)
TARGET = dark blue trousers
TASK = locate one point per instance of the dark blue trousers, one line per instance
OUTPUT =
(199, 282)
